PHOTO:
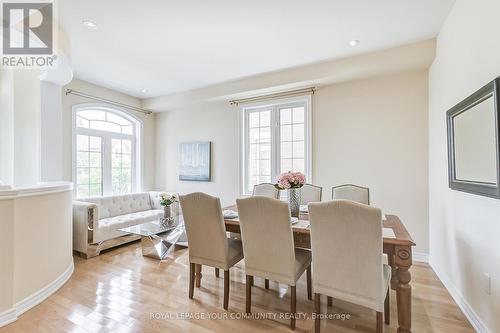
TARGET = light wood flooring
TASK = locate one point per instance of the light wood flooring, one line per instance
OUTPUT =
(122, 291)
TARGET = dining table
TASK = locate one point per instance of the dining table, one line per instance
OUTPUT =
(397, 245)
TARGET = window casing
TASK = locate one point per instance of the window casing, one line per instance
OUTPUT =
(276, 137)
(106, 151)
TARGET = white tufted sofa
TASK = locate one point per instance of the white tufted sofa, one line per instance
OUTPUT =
(96, 220)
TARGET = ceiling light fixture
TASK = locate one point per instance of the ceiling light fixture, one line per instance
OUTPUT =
(144, 91)
(89, 24)
(354, 42)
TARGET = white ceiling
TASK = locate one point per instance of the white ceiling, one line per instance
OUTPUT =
(168, 46)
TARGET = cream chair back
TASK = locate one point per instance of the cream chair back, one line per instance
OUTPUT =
(266, 190)
(267, 238)
(351, 192)
(205, 228)
(310, 193)
(346, 239)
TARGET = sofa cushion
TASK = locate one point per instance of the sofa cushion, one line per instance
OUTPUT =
(108, 227)
(117, 205)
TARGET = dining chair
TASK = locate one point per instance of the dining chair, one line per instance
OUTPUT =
(356, 272)
(270, 253)
(266, 190)
(351, 192)
(310, 193)
(207, 240)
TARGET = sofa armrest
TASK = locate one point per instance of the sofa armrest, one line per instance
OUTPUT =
(85, 217)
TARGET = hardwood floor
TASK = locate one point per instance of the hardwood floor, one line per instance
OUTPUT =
(122, 291)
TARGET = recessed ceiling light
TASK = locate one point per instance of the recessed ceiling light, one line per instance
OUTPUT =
(144, 91)
(354, 42)
(89, 24)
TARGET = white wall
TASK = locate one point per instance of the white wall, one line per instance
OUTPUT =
(148, 126)
(464, 228)
(371, 132)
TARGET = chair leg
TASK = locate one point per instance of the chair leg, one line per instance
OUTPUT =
(387, 309)
(216, 272)
(198, 275)
(293, 306)
(380, 328)
(251, 281)
(309, 286)
(249, 294)
(329, 301)
(266, 283)
(226, 289)
(317, 309)
(191, 279)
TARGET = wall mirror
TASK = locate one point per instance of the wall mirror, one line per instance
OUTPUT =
(473, 149)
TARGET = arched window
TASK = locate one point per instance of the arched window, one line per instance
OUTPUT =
(106, 151)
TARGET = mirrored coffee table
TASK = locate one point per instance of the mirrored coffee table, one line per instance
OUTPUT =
(159, 238)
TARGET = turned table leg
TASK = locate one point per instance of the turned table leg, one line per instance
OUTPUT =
(403, 289)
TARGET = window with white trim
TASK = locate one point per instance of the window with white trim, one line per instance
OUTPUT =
(276, 139)
(105, 151)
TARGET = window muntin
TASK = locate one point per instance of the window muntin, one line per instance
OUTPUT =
(275, 140)
(105, 152)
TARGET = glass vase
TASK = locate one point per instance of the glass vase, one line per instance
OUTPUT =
(294, 201)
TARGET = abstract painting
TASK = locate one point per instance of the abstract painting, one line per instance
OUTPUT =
(194, 161)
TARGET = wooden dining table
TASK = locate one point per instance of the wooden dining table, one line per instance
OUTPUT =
(397, 248)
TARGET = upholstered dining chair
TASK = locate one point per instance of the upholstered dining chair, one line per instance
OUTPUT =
(270, 253)
(351, 192)
(208, 243)
(356, 272)
(266, 190)
(310, 193)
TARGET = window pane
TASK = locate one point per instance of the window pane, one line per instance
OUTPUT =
(298, 132)
(253, 119)
(253, 135)
(265, 167)
(298, 149)
(105, 126)
(298, 115)
(264, 179)
(265, 134)
(82, 159)
(253, 167)
(286, 133)
(252, 181)
(95, 175)
(82, 176)
(265, 151)
(95, 159)
(95, 190)
(128, 129)
(117, 119)
(92, 114)
(116, 146)
(298, 165)
(286, 165)
(82, 191)
(95, 143)
(126, 146)
(286, 150)
(265, 118)
(81, 122)
(82, 142)
(285, 116)
(253, 151)
(116, 161)
(126, 160)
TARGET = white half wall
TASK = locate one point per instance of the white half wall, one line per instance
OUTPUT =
(464, 228)
(370, 132)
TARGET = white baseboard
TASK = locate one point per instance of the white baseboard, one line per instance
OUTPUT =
(24, 305)
(8, 317)
(420, 256)
(469, 312)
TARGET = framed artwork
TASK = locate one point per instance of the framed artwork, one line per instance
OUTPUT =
(195, 161)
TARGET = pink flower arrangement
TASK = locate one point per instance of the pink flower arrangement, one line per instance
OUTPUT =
(290, 180)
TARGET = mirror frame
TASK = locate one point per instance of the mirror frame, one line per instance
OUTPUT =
(479, 188)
